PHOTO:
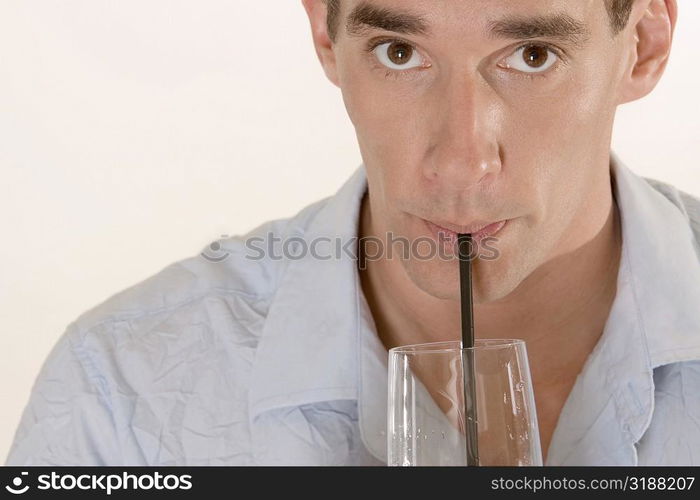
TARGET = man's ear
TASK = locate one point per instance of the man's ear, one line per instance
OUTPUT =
(317, 12)
(652, 23)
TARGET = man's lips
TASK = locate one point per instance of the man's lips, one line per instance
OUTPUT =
(478, 230)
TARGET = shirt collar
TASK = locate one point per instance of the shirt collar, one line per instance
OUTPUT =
(663, 264)
(309, 342)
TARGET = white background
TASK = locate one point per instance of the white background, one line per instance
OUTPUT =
(135, 132)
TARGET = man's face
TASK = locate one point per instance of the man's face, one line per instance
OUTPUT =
(488, 118)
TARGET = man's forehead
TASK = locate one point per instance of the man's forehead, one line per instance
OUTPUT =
(428, 6)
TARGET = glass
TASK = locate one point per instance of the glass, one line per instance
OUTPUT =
(426, 410)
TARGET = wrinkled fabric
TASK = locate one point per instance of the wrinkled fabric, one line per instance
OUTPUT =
(221, 359)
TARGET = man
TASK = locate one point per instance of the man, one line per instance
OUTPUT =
(480, 116)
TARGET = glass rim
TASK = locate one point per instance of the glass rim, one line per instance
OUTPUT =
(441, 347)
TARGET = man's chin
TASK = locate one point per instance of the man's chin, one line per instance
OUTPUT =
(491, 280)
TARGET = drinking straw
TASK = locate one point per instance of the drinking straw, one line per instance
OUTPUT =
(467, 305)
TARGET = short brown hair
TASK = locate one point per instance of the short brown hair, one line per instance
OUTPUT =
(618, 10)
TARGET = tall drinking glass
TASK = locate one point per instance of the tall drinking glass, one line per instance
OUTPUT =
(426, 404)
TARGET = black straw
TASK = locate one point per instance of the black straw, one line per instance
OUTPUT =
(467, 304)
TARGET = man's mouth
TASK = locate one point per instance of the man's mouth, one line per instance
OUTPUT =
(448, 232)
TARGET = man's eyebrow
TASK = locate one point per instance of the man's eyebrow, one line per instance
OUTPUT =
(366, 16)
(558, 26)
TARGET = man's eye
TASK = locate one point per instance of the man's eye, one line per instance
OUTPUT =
(532, 58)
(397, 55)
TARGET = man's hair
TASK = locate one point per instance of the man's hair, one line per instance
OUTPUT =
(618, 11)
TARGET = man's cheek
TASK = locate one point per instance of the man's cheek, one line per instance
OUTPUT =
(363, 99)
(586, 99)
(400, 142)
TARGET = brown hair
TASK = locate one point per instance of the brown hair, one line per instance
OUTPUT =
(618, 10)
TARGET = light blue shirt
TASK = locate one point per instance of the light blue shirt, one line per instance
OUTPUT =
(220, 359)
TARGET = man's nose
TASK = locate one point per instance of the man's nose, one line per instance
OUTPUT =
(464, 150)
